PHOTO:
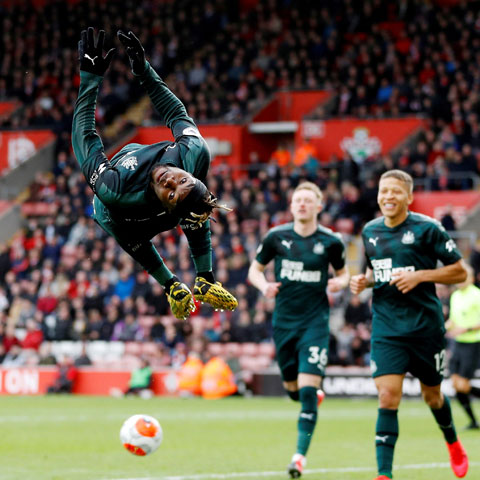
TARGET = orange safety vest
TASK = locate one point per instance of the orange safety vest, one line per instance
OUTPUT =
(303, 153)
(217, 379)
(190, 376)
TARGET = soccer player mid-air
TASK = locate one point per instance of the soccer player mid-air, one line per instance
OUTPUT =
(147, 189)
(302, 252)
(408, 332)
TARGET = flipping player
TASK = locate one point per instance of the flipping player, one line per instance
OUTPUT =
(147, 189)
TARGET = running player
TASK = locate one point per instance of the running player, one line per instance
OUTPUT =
(408, 332)
(302, 251)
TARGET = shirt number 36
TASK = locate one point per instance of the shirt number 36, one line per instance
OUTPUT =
(318, 357)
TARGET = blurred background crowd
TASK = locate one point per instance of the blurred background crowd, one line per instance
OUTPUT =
(62, 278)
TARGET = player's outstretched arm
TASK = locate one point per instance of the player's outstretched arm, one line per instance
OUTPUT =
(164, 100)
(257, 278)
(87, 145)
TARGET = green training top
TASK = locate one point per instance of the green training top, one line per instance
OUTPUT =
(465, 312)
(141, 378)
(416, 244)
(301, 265)
(129, 210)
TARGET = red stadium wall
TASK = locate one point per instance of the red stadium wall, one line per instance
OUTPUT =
(436, 204)
(291, 106)
(16, 147)
(90, 381)
(357, 136)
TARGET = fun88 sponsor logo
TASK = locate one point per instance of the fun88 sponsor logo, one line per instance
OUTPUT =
(383, 270)
(294, 272)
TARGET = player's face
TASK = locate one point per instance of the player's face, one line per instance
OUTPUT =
(305, 206)
(393, 199)
(171, 185)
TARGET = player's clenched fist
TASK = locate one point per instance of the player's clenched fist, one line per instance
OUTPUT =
(358, 283)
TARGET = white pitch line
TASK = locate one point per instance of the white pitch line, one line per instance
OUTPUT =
(203, 476)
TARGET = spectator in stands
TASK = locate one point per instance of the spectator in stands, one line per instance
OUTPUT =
(67, 373)
(45, 354)
(157, 181)
(357, 311)
(33, 335)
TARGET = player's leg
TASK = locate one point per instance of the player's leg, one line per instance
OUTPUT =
(440, 407)
(286, 356)
(313, 357)
(462, 388)
(462, 368)
(386, 429)
(389, 362)
(428, 364)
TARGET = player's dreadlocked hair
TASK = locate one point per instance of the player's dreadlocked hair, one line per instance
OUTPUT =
(198, 206)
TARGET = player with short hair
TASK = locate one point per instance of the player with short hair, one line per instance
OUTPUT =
(302, 252)
(464, 326)
(408, 332)
(147, 189)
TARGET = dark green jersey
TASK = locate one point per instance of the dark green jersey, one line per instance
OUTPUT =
(301, 265)
(416, 244)
(130, 211)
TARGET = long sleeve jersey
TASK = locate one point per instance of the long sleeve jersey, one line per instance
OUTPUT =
(124, 204)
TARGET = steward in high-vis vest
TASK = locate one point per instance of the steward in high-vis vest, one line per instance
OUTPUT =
(147, 189)
(218, 380)
(464, 326)
(190, 376)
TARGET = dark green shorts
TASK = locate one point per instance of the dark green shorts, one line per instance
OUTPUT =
(301, 351)
(423, 357)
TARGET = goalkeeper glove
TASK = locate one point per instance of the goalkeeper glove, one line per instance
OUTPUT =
(180, 298)
(90, 53)
(214, 294)
(135, 51)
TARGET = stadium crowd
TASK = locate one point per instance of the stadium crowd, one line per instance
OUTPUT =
(61, 278)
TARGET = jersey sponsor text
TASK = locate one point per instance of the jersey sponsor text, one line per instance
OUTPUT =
(294, 272)
(383, 270)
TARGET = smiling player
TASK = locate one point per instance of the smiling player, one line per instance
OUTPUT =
(402, 250)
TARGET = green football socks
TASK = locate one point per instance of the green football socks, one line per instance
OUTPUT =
(386, 434)
(307, 418)
(162, 274)
(444, 419)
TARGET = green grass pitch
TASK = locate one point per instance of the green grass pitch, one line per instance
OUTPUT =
(77, 438)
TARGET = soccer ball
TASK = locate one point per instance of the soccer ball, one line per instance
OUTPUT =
(141, 434)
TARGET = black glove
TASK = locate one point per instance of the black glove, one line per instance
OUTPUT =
(135, 51)
(91, 54)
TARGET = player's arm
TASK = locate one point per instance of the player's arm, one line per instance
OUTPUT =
(339, 281)
(86, 143)
(200, 244)
(164, 100)
(256, 276)
(448, 275)
(358, 283)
